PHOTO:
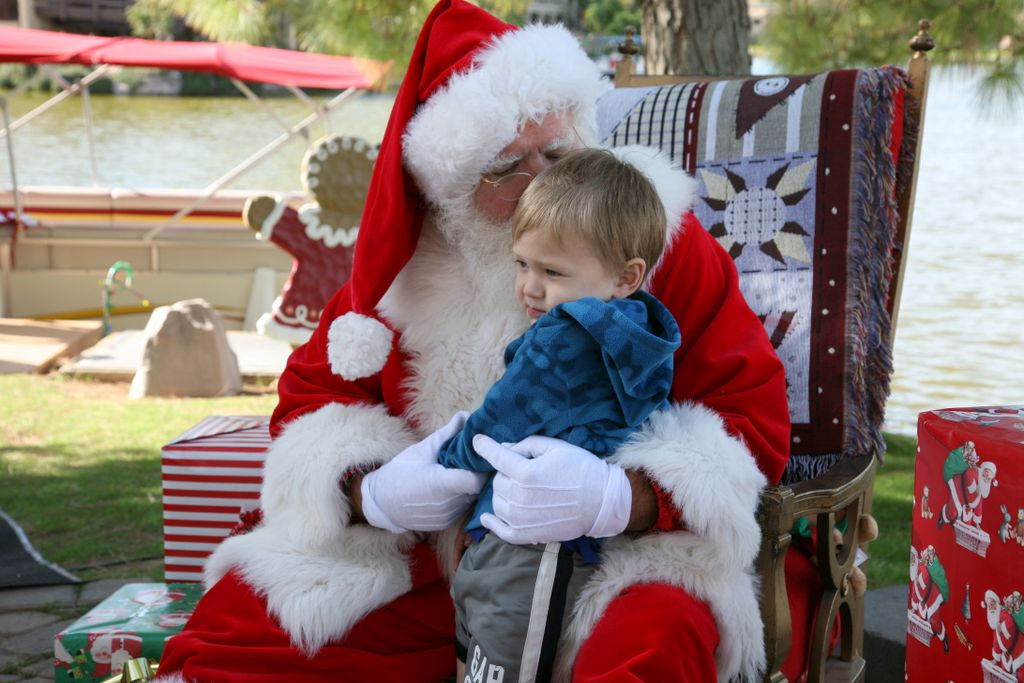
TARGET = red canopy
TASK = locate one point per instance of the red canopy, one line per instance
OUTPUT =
(233, 60)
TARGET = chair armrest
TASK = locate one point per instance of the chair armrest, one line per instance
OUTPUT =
(831, 492)
(842, 491)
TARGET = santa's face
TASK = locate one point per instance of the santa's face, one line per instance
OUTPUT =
(987, 479)
(539, 145)
(992, 608)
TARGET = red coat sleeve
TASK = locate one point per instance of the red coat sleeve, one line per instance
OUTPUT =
(726, 361)
(308, 382)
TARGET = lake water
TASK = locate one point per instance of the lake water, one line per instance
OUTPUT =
(174, 142)
(960, 335)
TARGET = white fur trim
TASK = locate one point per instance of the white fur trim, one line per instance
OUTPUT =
(715, 482)
(358, 346)
(171, 678)
(522, 76)
(711, 475)
(319, 574)
(674, 186)
(304, 464)
(317, 596)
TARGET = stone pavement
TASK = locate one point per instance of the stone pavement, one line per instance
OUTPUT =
(885, 633)
(31, 617)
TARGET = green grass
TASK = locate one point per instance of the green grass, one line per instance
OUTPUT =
(893, 509)
(80, 468)
(80, 471)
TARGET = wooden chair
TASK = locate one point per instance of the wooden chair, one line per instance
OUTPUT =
(835, 465)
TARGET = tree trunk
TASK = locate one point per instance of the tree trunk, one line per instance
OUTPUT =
(696, 37)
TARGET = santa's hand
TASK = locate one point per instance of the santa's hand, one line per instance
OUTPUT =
(414, 492)
(547, 490)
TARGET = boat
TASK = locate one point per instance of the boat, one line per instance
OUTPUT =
(58, 244)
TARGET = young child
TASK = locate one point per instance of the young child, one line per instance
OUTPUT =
(596, 362)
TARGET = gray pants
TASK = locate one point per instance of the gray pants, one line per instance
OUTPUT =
(510, 604)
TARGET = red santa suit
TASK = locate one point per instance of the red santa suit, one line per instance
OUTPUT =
(409, 340)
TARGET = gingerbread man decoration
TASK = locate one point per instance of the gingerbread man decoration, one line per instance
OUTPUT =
(320, 235)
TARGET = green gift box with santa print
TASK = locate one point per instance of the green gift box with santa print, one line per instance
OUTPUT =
(134, 622)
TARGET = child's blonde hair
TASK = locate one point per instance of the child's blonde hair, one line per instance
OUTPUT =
(605, 201)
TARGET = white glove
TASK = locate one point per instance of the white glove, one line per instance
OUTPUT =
(547, 490)
(414, 492)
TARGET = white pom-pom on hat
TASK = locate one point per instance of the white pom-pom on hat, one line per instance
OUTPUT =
(358, 346)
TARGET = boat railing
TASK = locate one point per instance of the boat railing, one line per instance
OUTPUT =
(50, 265)
(116, 217)
(171, 235)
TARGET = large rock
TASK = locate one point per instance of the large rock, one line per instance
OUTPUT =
(187, 354)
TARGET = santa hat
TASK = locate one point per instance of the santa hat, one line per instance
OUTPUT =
(473, 81)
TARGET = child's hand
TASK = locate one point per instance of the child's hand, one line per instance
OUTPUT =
(413, 492)
(547, 490)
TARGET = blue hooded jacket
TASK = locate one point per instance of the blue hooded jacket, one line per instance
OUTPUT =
(589, 372)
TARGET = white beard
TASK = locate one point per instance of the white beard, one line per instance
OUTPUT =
(455, 305)
(485, 244)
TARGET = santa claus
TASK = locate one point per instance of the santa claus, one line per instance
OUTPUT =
(928, 590)
(110, 651)
(969, 485)
(1007, 637)
(317, 593)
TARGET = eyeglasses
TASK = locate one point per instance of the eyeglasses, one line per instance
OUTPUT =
(509, 186)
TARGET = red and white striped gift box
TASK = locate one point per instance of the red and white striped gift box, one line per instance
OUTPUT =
(211, 473)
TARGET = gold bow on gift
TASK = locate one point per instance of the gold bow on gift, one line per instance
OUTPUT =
(135, 670)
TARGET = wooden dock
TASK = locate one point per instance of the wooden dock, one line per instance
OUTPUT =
(79, 347)
(37, 345)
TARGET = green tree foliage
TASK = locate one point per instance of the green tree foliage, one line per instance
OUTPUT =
(611, 17)
(812, 35)
(376, 29)
(512, 11)
(148, 19)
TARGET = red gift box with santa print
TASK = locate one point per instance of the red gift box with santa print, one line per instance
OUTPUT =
(133, 622)
(965, 618)
(211, 475)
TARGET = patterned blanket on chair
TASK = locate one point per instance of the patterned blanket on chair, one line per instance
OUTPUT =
(797, 179)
